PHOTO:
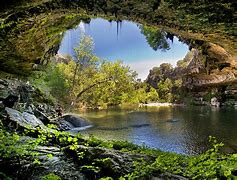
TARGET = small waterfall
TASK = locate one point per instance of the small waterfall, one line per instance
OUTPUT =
(74, 122)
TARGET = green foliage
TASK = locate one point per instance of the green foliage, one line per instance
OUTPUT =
(56, 81)
(141, 171)
(91, 171)
(95, 142)
(167, 82)
(124, 145)
(156, 38)
(164, 89)
(182, 64)
(142, 93)
(106, 178)
(152, 95)
(88, 81)
(209, 95)
(11, 145)
(50, 176)
(209, 165)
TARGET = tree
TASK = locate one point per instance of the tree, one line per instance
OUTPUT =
(86, 62)
(152, 95)
(90, 81)
(166, 68)
(156, 38)
(164, 89)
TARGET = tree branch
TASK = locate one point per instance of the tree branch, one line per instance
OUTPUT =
(91, 86)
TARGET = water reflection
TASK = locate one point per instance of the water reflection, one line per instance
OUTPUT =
(180, 129)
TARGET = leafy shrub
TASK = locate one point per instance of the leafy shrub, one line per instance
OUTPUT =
(209, 165)
(50, 176)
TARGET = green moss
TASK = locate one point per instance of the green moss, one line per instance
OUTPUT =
(50, 176)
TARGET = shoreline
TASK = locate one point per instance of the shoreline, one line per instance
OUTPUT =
(160, 104)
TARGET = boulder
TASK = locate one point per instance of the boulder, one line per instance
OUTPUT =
(23, 119)
(31, 119)
(3, 82)
(70, 121)
(41, 116)
(116, 163)
(57, 163)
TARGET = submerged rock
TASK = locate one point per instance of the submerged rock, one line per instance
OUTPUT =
(112, 128)
(139, 125)
(172, 120)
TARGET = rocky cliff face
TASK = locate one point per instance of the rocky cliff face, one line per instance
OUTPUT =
(207, 70)
(217, 71)
(30, 36)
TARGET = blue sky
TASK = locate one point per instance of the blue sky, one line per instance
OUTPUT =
(129, 45)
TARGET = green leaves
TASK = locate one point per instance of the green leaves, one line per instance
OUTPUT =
(87, 80)
(50, 176)
(155, 37)
(11, 145)
(209, 165)
(69, 139)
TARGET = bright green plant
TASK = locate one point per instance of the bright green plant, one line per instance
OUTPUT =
(209, 165)
(50, 176)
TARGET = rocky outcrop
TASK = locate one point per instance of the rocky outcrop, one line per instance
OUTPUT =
(10, 101)
(216, 64)
(215, 79)
(57, 163)
(36, 110)
(115, 164)
(195, 62)
(218, 74)
(59, 58)
(192, 64)
(70, 122)
(204, 70)
(7, 87)
(219, 55)
(24, 119)
(29, 99)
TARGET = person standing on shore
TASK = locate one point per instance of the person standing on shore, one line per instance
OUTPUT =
(59, 110)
